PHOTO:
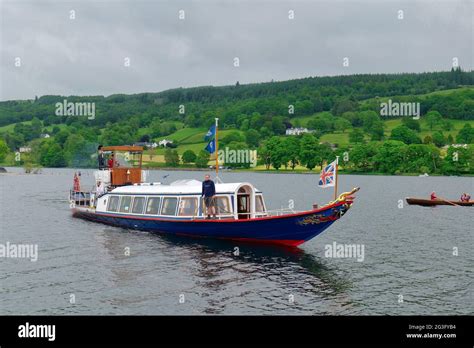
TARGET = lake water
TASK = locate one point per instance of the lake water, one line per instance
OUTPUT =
(408, 265)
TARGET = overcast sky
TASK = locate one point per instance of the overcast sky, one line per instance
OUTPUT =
(86, 55)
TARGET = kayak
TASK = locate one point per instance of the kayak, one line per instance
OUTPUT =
(429, 202)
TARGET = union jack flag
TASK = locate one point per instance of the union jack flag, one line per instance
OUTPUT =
(327, 178)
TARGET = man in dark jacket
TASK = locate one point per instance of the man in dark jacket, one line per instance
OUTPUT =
(208, 192)
(100, 158)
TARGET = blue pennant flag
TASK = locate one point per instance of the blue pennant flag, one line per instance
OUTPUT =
(211, 147)
(210, 133)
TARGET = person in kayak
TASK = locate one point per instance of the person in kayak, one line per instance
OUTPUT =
(208, 192)
(433, 196)
(465, 197)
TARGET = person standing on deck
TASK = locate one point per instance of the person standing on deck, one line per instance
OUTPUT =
(77, 183)
(112, 162)
(433, 196)
(100, 158)
(100, 189)
(208, 192)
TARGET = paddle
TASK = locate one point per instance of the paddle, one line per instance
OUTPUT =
(456, 205)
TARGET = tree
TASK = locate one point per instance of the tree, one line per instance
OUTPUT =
(323, 123)
(256, 121)
(245, 125)
(325, 154)
(421, 158)
(308, 156)
(428, 140)
(369, 119)
(344, 105)
(3, 150)
(411, 123)
(433, 118)
(115, 135)
(356, 136)
(14, 141)
(292, 151)
(277, 152)
(145, 138)
(202, 159)
(231, 137)
(265, 156)
(377, 131)
(438, 139)
(362, 156)
(450, 139)
(160, 128)
(36, 128)
(171, 158)
(188, 156)
(341, 124)
(278, 127)
(56, 130)
(465, 135)
(265, 132)
(252, 137)
(458, 160)
(52, 155)
(405, 134)
(77, 152)
(354, 118)
(447, 125)
(390, 156)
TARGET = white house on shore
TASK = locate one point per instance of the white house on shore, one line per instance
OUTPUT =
(147, 145)
(165, 142)
(456, 146)
(24, 149)
(297, 131)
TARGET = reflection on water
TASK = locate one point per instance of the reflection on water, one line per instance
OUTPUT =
(280, 276)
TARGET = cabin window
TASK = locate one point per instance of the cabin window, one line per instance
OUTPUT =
(259, 206)
(113, 203)
(223, 205)
(125, 204)
(153, 205)
(169, 206)
(188, 206)
(138, 204)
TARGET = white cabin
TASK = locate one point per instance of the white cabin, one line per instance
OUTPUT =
(182, 200)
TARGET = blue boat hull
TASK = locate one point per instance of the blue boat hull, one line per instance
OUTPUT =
(289, 230)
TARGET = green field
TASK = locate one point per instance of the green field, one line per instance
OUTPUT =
(182, 135)
(9, 127)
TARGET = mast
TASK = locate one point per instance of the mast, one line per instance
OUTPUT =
(336, 169)
(217, 148)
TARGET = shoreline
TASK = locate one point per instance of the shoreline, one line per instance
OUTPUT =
(262, 171)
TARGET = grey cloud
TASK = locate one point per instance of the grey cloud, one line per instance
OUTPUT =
(85, 56)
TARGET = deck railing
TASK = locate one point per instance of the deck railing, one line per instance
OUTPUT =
(282, 211)
(80, 198)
